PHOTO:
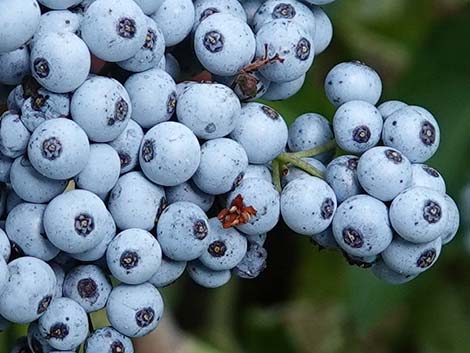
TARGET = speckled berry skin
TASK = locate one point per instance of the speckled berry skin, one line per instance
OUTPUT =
(361, 226)
(385, 273)
(409, 258)
(4, 275)
(323, 31)
(36, 342)
(175, 18)
(292, 43)
(76, 221)
(265, 199)
(169, 154)
(384, 172)
(341, 175)
(153, 96)
(19, 20)
(134, 256)
(135, 202)
(189, 192)
(14, 136)
(206, 277)
(29, 290)
(115, 35)
(255, 122)
(419, 214)
(168, 272)
(182, 231)
(127, 146)
(389, 107)
(108, 340)
(282, 90)
(453, 223)
(226, 248)
(224, 44)
(258, 171)
(89, 286)
(65, 324)
(5, 246)
(134, 311)
(353, 81)
(59, 149)
(291, 10)
(209, 110)
(60, 61)
(291, 173)
(102, 108)
(357, 126)
(31, 186)
(309, 131)
(205, 8)
(58, 21)
(222, 166)
(60, 277)
(14, 66)
(102, 171)
(24, 227)
(253, 263)
(413, 131)
(308, 205)
(151, 52)
(59, 4)
(426, 176)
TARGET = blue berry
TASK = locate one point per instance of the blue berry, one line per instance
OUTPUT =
(319, 2)
(64, 324)
(59, 149)
(60, 277)
(419, 215)
(14, 136)
(324, 30)
(4, 275)
(308, 205)
(290, 172)
(247, 86)
(255, 122)
(149, 6)
(5, 167)
(189, 192)
(251, 6)
(127, 145)
(58, 21)
(283, 90)
(172, 67)
(170, 154)
(205, 8)
(59, 4)
(357, 126)
(389, 107)
(385, 273)
(426, 176)
(108, 340)
(453, 222)
(168, 272)
(182, 231)
(206, 277)
(134, 311)
(341, 175)
(413, 131)
(353, 81)
(253, 263)
(14, 66)
(325, 239)
(12, 201)
(259, 239)
(361, 226)
(36, 342)
(258, 171)
(5, 247)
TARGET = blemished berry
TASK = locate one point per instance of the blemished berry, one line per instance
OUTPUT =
(151, 52)
(134, 311)
(288, 47)
(247, 86)
(283, 90)
(389, 107)
(24, 227)
(108, 340)
(29, 290)
(189, 192)
(14, 136)
(353, 81)
(206, 277)
(357, 126)
(384, 172)
(64, 324)
(59, 149)
(60, 277)
(135, 202)
(169, 154)
(182, 231)
(308, 131)
(361, 226)
(385, 273)
(134, 256)
(258, 171)
(308, 205)
(168, 272)
(409, 258)
(453, 222)
(255, 122)
(420, 215)
(60, 61)
(289, 172)
(323, 31)
(102, 108)
(58, 21)
(209, 110)
(114, 35)
(222, 167)
(426, 176)
(76, 221)
(205, 8)
(20, 20)
(89, 286)
(14, 66)
(226, 248)
(413, 131)
(5, 247)
(253, 263)
(36, 342)
(127, 145)
(224, 44)
(341, 175)
(153, 96)
(175, 18)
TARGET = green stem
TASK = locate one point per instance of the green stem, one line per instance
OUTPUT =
(331, 145)
(277, 175)
(289, 158)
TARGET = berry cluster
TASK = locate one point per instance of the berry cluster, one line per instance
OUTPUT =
(110, 168)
